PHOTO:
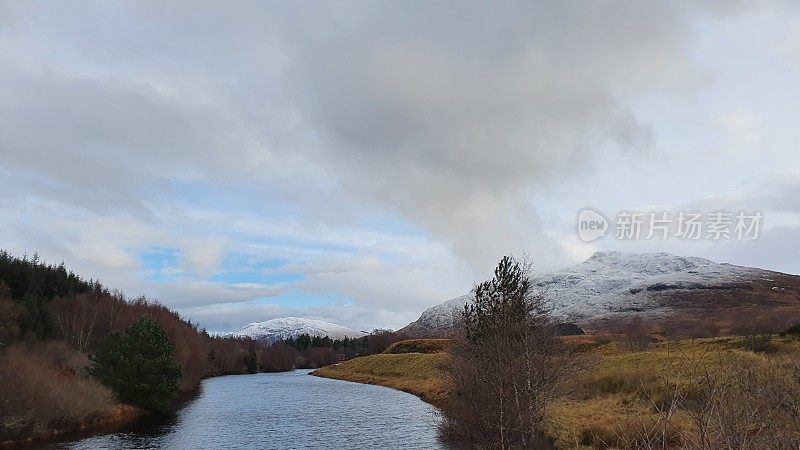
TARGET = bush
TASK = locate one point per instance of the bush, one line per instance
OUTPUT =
(140, 366)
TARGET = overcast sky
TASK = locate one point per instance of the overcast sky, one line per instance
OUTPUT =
(359, 162)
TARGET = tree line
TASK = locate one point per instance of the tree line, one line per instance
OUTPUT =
(375, 342)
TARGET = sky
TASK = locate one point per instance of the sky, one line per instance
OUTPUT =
(361, 161)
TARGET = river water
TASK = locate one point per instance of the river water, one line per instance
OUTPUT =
(289, 410)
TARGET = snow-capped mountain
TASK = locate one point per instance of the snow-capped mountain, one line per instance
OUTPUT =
(615, 284)
(289, 327)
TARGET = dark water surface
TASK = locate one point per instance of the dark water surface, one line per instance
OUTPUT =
(284, 411)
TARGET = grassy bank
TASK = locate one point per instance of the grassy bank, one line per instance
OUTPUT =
(623, 389)
(416, 366)
(417, 373)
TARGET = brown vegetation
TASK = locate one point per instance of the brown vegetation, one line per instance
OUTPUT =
(316, 357)
(45, 387)
(704, 394)
(699, 393)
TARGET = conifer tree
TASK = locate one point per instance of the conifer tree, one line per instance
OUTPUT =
(139, 365)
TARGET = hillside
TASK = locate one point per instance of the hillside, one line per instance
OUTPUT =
(611, 287)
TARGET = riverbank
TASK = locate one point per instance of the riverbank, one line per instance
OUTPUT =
(416, 366)
(117, 417)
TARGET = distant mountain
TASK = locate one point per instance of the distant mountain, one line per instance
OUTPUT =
(282, 328)
(615, 285)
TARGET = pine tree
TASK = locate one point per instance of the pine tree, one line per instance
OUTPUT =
(140, 366)
(505, 300)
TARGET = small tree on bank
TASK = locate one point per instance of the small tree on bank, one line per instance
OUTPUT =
(140, 366)
(506, 365)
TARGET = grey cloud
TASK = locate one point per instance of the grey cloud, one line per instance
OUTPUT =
(190, 293)
(452, 116)
(770, 251)
(778, 192)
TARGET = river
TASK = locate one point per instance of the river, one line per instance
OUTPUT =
(289, 410)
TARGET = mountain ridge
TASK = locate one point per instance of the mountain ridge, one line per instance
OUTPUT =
(613, 285)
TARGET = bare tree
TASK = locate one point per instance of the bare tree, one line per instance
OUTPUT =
(75, 319)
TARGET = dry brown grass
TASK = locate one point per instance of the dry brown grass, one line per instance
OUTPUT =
(44, 387)
(623, 397)
(417, 373)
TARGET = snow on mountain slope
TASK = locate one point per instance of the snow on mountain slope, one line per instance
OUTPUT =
(288, 327)
(613, 284)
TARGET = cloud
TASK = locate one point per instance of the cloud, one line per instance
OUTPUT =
(387, 152)
(186, 293)
(448, 117)
(454, 116)
(203, 254)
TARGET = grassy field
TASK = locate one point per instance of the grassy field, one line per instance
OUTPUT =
(622, 386)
